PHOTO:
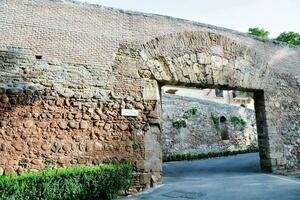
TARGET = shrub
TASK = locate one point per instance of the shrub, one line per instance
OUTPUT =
(188, 156)
(82, 182)
(198, 156)
(178, 157)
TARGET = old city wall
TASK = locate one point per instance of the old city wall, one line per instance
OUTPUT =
(68, 69)
(202, 133)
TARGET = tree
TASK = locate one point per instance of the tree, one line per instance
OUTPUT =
(291, 38)
(259, 32)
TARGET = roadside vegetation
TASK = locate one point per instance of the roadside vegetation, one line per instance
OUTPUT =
(81, 182)
(198, 156)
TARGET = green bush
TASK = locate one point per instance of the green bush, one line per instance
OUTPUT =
(82, 182)
(188, 156)
(198, 156)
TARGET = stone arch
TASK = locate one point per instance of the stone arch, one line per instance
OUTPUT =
(204, 59)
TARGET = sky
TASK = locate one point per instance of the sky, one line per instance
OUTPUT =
(275, 16)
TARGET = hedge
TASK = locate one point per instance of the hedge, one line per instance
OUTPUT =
(198, 156)
(82, 182)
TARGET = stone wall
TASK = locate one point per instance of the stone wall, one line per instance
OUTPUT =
(201, 133)
(68, 69)
(51, 115)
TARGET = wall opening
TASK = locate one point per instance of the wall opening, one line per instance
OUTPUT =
(211, 123)
(224, 128)
(38, 57)
(223, 119)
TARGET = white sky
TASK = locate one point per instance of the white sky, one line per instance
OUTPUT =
(275, 16)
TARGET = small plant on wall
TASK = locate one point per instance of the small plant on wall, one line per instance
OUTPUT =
(191, 112)
(238, 121)
(179, 123)
(215, 119)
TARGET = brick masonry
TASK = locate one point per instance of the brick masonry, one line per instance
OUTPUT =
(67, 70)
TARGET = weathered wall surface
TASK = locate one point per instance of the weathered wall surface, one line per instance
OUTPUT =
(201, 134)
(47, 119)
(96, 61)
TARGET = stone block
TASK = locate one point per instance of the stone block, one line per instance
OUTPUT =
(84, 125)
(73, 124)
(203, 59)
(28, 124)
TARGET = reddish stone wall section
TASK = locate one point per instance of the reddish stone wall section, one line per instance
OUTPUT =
(40, 130)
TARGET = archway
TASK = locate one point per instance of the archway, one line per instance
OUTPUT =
(202, 59)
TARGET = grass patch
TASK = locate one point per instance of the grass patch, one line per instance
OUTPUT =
(198, 156)
(81, 182)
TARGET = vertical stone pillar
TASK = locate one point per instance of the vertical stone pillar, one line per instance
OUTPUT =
(152, 138)
(262, 130)
(269, 141)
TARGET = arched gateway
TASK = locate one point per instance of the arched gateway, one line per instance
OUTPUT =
(79, 84)
(210, 60)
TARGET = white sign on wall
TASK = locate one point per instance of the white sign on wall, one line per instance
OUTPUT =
(130, 112)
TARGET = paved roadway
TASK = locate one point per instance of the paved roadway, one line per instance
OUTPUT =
(227, 178)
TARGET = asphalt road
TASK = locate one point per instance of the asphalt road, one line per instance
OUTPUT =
(233, 178)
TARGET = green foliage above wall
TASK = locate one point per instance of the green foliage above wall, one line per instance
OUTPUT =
(259, 32)
(291, 38)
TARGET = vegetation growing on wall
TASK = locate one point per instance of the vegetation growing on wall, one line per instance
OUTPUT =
(82, 182)
(238, 121)
(235, 120)
(191, 112)
(180, 123)
(215, 119)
